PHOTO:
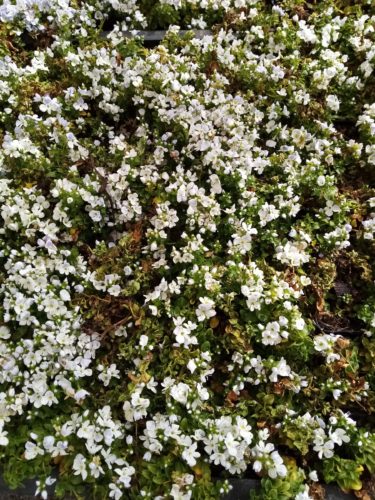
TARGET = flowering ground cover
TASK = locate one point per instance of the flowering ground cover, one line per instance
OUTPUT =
(187, 247)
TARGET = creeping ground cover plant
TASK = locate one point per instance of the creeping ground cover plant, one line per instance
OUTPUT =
(187, 248)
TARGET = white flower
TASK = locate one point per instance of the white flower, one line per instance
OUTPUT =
(192, 366)
(190, 455)
(115, 491)
(292, 253)
(321, 180)
(333, 102)
(125, 474)
(325, 343)
(107, 373)
(242, 239)
(180, 392)
(304, 495)
(324, 449)
(79, 466)
(4, 332)
(136, 408)
(331, 208)
(95, 469)
(277, 468)
(32, 450)
(339, 436)
(183, 330)
(64, 295)
(244, 429)
(282, 369)
(322, 444)
(231, 444)
(299, 324)
(114, 290)
(205, 309)
(321, 343)
(4, 441)
(215, 184)
(336, 393)
(306, 32)
(268, 213)
(203, 393)
(95, 215)
(48, 442)
(143, 340)
(272, 334)
(313, 476)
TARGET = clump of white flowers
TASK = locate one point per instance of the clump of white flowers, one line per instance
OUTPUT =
(186, 245)
(325, 344)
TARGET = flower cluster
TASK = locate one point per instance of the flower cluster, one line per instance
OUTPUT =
(187, 247)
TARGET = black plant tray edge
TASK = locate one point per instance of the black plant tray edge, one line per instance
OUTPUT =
(242, 487)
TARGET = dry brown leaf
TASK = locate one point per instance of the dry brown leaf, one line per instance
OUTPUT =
(214, 322)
